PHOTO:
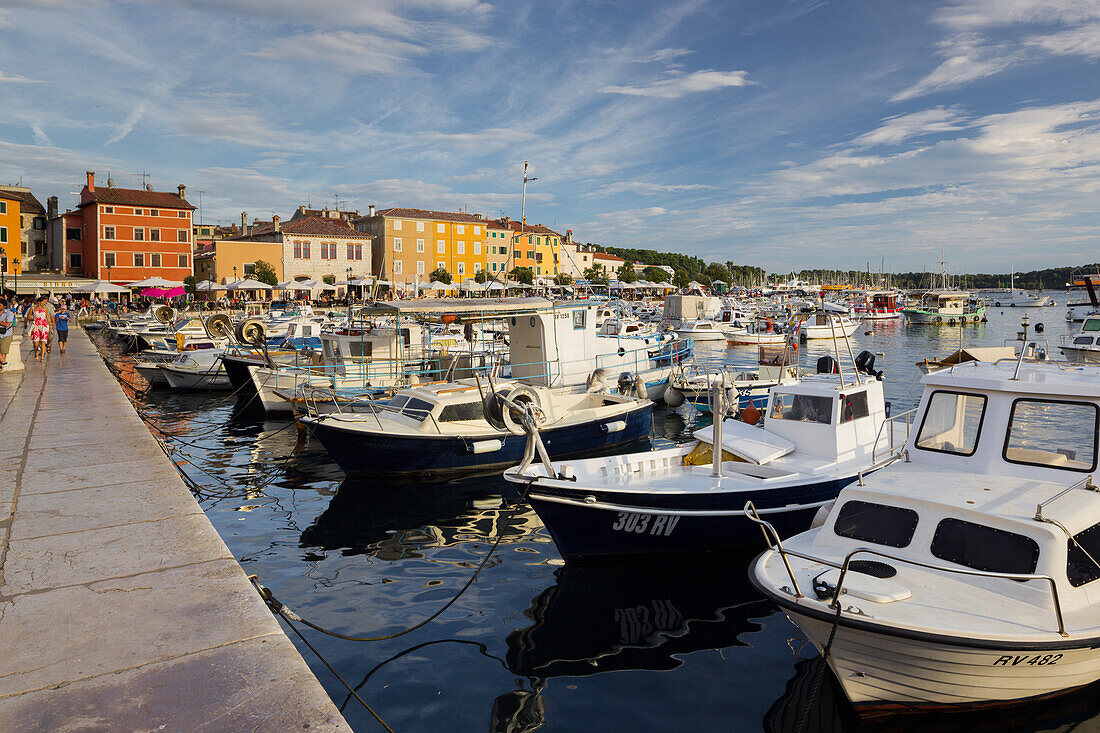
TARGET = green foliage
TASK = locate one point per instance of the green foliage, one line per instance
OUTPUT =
(481, 276)
(329, 279)
(264, 272)
(680, 279)
(523, 275)
(626, 273)
(656, 275)
(189, 284)
(596, 275)
(440, 275)
(563, 278)
(1054, 278)
(702, 278)
(730, 273)
(716, 271)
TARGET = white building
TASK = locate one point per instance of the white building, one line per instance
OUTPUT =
(316, 247)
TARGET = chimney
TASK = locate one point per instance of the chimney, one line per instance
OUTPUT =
(274, 222)
(370, 210)
(244, 222)
(91, 181)
(182, 190)
(51, 207)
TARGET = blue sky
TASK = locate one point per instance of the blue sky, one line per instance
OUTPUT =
(780, 133)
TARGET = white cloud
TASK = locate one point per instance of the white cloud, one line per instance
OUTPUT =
(663, 55)
(967, 59)
(40, 136)
(16, 79)
(646, 188)
(681, 84)
(1082, 41)
(356, 53)
(127, 125)
(899, 128)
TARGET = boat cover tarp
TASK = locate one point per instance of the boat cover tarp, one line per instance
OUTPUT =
(748, 441)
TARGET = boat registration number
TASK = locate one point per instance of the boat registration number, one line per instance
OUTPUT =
(660, 525)
(1039, 660)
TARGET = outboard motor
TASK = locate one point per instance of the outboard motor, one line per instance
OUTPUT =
(626, 382)
(827, 365)
(865, 363)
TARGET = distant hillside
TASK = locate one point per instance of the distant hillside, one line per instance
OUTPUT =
(1054, 278)
(688, 267)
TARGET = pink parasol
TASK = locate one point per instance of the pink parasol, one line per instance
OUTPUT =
(174, 292)
(153, 292)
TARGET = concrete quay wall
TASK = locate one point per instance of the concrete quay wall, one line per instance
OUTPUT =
(121, 608)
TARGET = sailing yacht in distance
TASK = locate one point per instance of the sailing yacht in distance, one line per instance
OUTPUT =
(1013, 298)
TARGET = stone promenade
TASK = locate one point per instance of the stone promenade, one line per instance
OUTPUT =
(121, 609)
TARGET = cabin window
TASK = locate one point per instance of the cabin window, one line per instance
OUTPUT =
(853, 407)
(464, 411)
(1083, 555)
(984, 548)
(413, 407)
(892, 526)
(360, 349)
(1083, 341)
(803, 408)
(951, 423)
(1091, 324)
(1055, 434)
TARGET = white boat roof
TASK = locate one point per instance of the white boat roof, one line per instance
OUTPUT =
(468, 307)
(1048, 378)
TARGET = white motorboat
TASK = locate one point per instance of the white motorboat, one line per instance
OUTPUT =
(1013, 298)
(755, 333)
(196, 369)
(1083, 347)
(966, 575)
(818, 435)
(826, 326)
(1084, 299)
(700, 330)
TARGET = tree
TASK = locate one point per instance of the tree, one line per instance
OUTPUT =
(716, 271)
(265, 273)
(681, 279)
(626, 273)
(189, 284)
(563, 278)
(656, 275)
(329, 279)
(702, 278)
(523, 275)
(596, 275)
(481, 276)
(441, 275)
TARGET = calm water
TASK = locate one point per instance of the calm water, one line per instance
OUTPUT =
(682, 645)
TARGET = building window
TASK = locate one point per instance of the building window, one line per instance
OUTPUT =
(440, 246)
(358, 251)
(154, 212)
(154, 235)
(460, 229)
(477, 267)
(397, 225)
(3, 207)
(139, 259)
(183, 261)
(420, 267)
(419, 226)
(305, 250)
(440, 228)
(154, 260)
(108, 232)
(138, 212)
(109, 259)
(249, 268)
(477, 248)
(181, 235)
(72, 233)
(461, 268)
(460, 248)
(397, 244)
(108, 209)
(139, 234)
(74, 261)
(420, 245)
(182, 215)
(297, 250)
(397, 267)
(351, 251)
(441, 265)
(3, 235)
(477, 231)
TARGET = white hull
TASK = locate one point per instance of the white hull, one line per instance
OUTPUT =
(815, 331)
(1081, 356)
(1078, 311)
(267, 380)
(881, 315)
(880, 670)
(715, 335)
(214, 378)
(152, 373)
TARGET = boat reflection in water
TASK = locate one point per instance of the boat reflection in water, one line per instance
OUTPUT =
(625, 616)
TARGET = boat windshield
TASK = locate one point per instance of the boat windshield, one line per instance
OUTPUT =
(1055, 434)
(803, 408)
(984, 548)
(1091, 324)
(413, 407)
(952, 423)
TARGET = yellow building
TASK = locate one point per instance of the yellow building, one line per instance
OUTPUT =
(226, 260)
(408, 244)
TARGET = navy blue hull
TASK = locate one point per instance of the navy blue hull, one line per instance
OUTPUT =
(595, 529)
(359, 452)
(239, 371)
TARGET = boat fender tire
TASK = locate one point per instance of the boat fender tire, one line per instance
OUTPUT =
(937, 319)
(524, 395)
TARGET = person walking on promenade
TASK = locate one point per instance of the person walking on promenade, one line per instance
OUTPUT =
(61, 323)
(40, 330)
(7, 330)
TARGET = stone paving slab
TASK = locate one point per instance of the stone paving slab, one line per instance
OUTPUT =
(121, 609)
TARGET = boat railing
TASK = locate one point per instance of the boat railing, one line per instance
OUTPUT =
(887, 429)
(1085, 483)
(770, 533)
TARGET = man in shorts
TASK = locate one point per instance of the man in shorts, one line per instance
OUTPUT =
(7, 330)
(61, 325)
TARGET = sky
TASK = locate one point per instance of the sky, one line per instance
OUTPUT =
(786, 134)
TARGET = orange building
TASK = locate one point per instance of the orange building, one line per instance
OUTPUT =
(132, 234)
(534, 246)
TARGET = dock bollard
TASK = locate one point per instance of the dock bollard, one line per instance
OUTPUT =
(15, 356)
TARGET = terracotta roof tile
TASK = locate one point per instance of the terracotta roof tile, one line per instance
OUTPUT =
(25, 198)
(403, 213)
(323, 227)
(139, 197)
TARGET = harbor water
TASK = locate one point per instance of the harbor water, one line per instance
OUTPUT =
(679, 644)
